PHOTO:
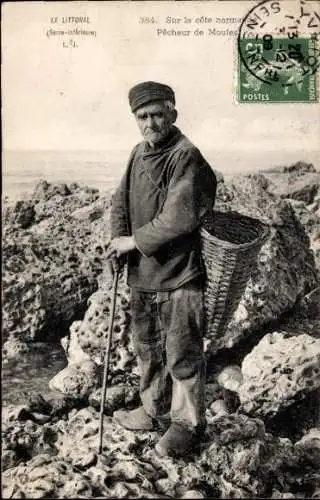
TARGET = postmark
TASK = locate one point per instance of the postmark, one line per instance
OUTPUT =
(279, 52)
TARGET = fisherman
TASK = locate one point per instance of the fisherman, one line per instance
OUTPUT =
(167, 189)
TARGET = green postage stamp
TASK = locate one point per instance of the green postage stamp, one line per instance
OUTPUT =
(277, 74)
(278, 60)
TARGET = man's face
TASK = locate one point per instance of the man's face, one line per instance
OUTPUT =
(154, 121)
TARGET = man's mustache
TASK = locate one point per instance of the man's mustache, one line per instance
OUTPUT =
(148, 130)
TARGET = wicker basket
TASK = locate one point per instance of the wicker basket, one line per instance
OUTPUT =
(230, 243)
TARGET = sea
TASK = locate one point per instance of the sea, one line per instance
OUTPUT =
(22, 170)
(29, 373)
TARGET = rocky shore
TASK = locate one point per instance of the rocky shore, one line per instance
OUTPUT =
(263, 383)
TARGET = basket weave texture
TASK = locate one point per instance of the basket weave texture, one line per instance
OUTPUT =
(230, 243)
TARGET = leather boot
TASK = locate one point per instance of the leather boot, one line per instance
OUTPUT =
(134, 420)
(177, 441)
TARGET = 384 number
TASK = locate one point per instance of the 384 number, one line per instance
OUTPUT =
(147, 20)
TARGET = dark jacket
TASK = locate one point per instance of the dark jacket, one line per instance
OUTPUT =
(161, 200)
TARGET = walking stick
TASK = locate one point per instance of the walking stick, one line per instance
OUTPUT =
(107, 353)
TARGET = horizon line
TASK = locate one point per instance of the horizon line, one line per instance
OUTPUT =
(125, 149)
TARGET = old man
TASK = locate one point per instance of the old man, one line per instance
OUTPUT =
(167, 189)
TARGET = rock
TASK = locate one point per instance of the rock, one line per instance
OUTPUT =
(305, 317)
(219, 176)
(315, 206)
(76, 486)
(310, 303)
(301, 188)
(8, 459)
(13, 348)
(118, 396)
(231, 400)
(231, 378)
(234, 456)
(193, 494)
(278, 371)
(60, 404)
(54, 257)
(247, 462)
(22, 413)
(310, 219)
(92, 333)
(305, 191)
(86, 461)
(45, 476)
(81, 436)
(73, 349)
(44, 190)
(285, 267)
(24, 214)
(234, 428)
(77, 379)
(219, 407)
(14, 413)
(300, 184)
(88, 338)
(297, 204)
(278, 494)
(212, 391)
(238, 459)
(309, 447)
(296, 420)
(128, 458)
(247, 194)
(37, 403)
(299, 168)
(41, 189)
(91, 212)
(166, 486)
(27, 439)
(23, 311)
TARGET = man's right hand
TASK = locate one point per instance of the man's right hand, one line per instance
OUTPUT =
(114, 264)
(120, 246)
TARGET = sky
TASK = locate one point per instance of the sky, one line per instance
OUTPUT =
(75, 98)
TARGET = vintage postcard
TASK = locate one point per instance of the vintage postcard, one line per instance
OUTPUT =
(160, 249)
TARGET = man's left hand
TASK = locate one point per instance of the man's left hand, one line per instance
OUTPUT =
(120, 246)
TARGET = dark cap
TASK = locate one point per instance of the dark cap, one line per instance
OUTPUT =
(146, 92)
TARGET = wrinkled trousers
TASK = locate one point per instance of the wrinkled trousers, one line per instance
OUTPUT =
(167, 338)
